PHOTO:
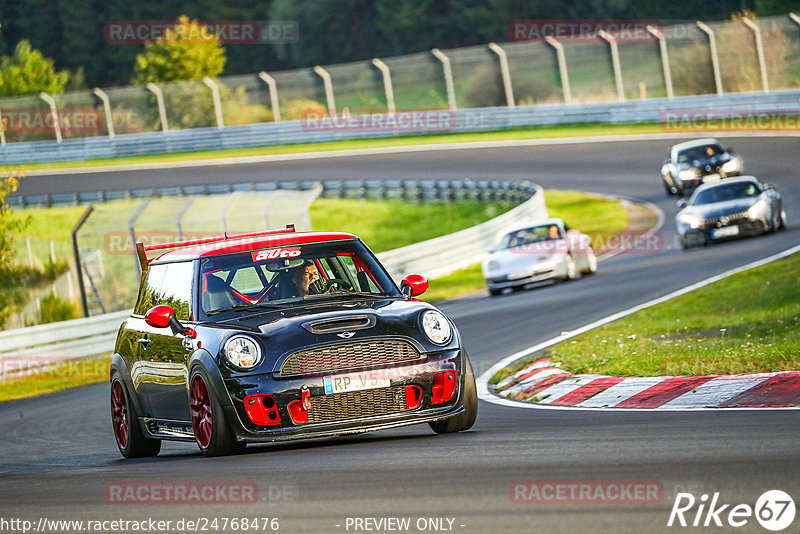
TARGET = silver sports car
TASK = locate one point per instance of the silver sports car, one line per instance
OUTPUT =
(544, 250)
(729, 209)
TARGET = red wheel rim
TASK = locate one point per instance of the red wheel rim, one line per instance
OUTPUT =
(119, 414)
(200, 408)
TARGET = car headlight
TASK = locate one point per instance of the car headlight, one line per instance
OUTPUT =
(688, 174)
(493, 265)
(690, 220)
(436, 327)
(732, 165)
(242, 351)
(758, 210)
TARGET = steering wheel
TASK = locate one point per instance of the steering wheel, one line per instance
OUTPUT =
(340, 284)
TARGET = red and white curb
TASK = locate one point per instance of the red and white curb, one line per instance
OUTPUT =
(546, 384)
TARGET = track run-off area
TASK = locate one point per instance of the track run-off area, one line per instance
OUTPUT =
(58, 459)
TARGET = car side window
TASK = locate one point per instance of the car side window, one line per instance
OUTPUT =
(176, 289)
(148, 294)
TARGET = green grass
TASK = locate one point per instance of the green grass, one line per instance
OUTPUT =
(591, 214)
(566, 130)
(63, 375)
(746, 323)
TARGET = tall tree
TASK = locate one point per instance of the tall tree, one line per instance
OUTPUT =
(28, 71)
(187, 52)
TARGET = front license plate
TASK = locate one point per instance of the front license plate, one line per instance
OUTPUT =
(355, 381)
(711, 178)
(727, 231)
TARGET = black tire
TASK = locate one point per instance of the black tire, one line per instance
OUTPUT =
(211, 429)
(465, 420)
(495, 292)
(131, 441)
(671, 190)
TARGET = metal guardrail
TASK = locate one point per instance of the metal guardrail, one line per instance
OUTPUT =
(463, 121)
(45, 344)
(413, 190)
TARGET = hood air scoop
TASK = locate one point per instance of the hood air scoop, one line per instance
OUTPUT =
(342, 324)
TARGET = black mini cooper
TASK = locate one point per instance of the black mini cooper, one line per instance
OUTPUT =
(281, 335)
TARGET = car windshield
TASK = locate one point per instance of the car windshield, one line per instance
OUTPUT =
(699, 152)
(281, 276)
(725, 192)
(527, 236)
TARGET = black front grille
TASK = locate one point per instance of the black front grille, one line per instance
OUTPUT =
(356, 404)
(345, 356)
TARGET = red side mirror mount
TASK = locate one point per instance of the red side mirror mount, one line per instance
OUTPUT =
(413, 285)
(162, 316)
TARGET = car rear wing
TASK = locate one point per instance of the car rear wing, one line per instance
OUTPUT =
(141, 248)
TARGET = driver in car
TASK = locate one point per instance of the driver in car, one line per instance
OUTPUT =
(304, 278)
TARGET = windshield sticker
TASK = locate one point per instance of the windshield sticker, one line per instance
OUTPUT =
(275, 253)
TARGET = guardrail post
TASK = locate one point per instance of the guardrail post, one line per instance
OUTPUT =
(53, 113)
(504, 72)
(759, 51)
(662, 46)
(387, 83)
(448, 77)
(162, 109)
(77, 254)
(217, 102)
(562, 67)
(99, 93)
(614, 62)
(273, 94)
(326, 82)
(712, 42)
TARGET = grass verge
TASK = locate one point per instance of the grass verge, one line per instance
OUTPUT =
(746, 323)
(592, 214)
(565, 130)
(62, 375)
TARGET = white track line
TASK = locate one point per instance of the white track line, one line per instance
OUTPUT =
(483, 380)
(242, 160)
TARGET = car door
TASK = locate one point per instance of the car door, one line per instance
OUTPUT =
(162, 372)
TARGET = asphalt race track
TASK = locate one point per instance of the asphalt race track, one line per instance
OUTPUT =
(58, 457)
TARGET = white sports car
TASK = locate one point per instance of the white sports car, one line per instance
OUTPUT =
(544, 250)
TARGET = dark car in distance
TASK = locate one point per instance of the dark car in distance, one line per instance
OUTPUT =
(281, 335)
(697, 162)
(733, 208)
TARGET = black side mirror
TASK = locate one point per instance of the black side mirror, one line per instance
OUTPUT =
(682, 203)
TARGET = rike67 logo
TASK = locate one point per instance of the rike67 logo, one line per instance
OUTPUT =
(774, 510)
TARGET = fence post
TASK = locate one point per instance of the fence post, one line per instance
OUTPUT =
(99, 93)
(562, 67)
(2, 130)
(53, 113)
(162, 110)
(387, 84)
(662, 46)
(504, 72)
(77, 254)
(448, 77)
(326, 82)
(132, 231)
(614, 62)
(712, 42)
(273, 94)
(759, 51)
(181, 215)
(217, 102)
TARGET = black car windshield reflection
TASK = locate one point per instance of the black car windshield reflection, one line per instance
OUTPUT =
(284, 276)
(699, 152)
(726, 192)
